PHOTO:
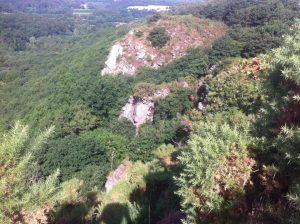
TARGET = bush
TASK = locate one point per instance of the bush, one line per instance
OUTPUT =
(207, 175)
(20, 191)
(194, 63)
(143, 89)
(172, 106)
(150, 137)
(236, 87)
(116, 145)
(158, 37)
(223, 48)
(139, 34)
(154, 18)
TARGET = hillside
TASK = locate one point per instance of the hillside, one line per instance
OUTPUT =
(199, 124)
(184, 32)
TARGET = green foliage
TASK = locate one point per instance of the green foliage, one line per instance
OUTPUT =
(16, 194)
(286, 58)
(174, 105)
(195, 63)
(75, 156)
(107, 95)
(42, 6)
(283, 151)
(257, 40)
(223, 48)
(158, 37)
(139, 34)
(138, 147)
(143, 89)
(151, 136)
(281, 107)
(128, 201)
(119, 213)
(278, 123)
(117, 205)
(208, 146)
(287, 143)
(57, 81)
(17, 28)
(164, 151)
(233, 117)
(258, 26)
(154, 18)
(116, 146)
(234, 88)
(250, 13)
(80, 118)
(122, 127)
(73, 97)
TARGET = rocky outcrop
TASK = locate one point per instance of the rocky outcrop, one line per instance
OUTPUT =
(135, 50)
(121, 173)
(112, 63)
(140, 107)
(138, 110)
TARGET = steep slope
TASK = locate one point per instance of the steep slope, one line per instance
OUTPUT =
(135, 49)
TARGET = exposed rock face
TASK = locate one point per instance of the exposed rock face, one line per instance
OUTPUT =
(185, 32)
(115, 64)
(161, 93)
(138, 110)
(121, 173)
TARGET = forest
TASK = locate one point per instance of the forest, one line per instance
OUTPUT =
(222, 146)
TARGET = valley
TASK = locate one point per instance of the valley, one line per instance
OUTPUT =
(187, 113)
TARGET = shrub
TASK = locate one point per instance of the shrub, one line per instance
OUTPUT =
(18, 191)
(235, 86)
(143, 89)
(139, 34)
(116, 146)
(164, 151)
(158, 37)
(207, 173)
(194, 63)
(174, 105)
(154, 18)
(223, 48)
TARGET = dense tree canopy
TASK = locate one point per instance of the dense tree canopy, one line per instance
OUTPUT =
(75, 156)
(257, 25)
(17, 29)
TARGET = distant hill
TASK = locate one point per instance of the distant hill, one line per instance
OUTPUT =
(42, 6)
(38, 5)
(181, 32)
